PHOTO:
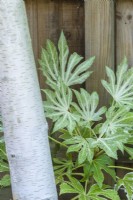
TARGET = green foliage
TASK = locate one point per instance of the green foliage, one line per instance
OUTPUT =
(4, 167)
(89, 136)
(3, 159)
(84, 147)
(73, 186)
(98, 165)
(62, 166)
(58, 68)
(111, 143)
(117, 118)
(87, 107)
(127, 183)
(120, 86)
(57, 108)
(97, 193)
(5, 181)
(129, 150)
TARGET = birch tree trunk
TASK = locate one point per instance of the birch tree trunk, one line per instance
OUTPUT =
(25, 126)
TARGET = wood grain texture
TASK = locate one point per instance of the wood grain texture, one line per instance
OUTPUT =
(99, 42)
(124, 47)
(124, 30)
(72, 22)
(43, 30)
(47, 18)
(31, 8)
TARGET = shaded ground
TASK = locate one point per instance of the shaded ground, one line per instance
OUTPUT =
(5, 194)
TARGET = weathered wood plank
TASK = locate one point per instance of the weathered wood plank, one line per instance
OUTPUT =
(99, 41)
(124, 47)
(124, 30)
(62, 15)
(43, 20)
(72, 22)
(57, 15)
(54, 20)
(31, 8)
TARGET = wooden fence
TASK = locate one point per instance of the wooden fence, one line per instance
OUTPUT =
(103, 28)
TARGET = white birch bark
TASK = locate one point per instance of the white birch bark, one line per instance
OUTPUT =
(25, 126)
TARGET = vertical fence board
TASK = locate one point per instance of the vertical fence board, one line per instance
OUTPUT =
(54, 20)
(99, 41)
(55, 16)
(72, 23)
(124, 30)
(124, 47)
(31, 8)
(43, 23)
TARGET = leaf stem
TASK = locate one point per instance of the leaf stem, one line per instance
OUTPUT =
(78, 131)
(121, 167)
(77, 167)
(75, 198)
(86, 184)
(93, 132)
(99, 153)
(77, 174)
(113, 103)
(56, 141)
(4, 153)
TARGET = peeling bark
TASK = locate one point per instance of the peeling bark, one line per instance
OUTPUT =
(25, 126)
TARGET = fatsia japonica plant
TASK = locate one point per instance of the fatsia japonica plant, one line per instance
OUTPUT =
(91, 137)
(88, 138)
